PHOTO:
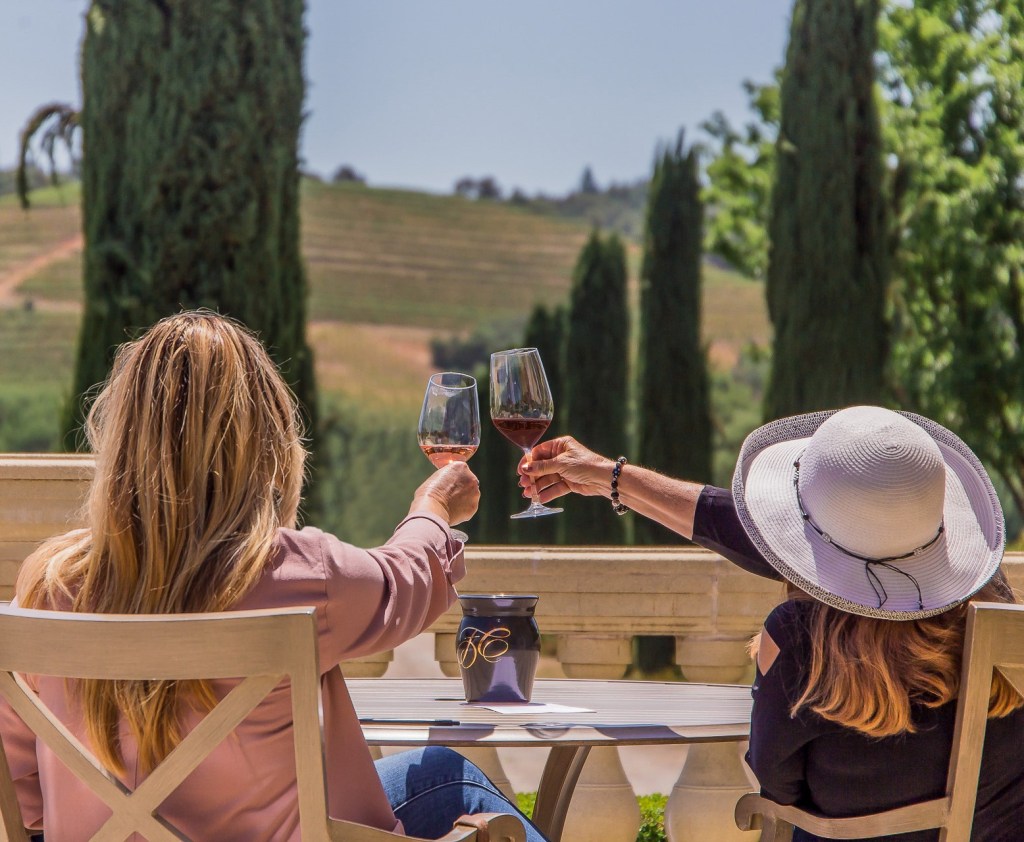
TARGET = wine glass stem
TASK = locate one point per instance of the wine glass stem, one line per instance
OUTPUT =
(534, 494)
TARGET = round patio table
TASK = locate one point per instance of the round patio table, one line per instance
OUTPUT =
(433, 711)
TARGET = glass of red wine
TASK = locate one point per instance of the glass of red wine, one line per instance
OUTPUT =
(521, 406)
(449, 426)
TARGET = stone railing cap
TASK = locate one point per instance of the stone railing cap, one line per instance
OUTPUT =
(47, 466)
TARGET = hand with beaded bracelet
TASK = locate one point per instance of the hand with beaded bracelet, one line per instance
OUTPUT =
(564, 466)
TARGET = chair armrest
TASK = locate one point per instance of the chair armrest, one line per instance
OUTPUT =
(754, 811)
(486, 827)
(479, 827)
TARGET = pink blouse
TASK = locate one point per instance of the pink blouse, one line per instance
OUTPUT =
(367, 601)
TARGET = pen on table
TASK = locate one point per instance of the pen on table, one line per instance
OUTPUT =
(373, 720)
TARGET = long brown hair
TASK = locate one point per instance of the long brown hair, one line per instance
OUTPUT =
(865, 673)
(199, 461)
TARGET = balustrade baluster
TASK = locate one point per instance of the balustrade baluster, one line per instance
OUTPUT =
(700, 806)
(369, 666)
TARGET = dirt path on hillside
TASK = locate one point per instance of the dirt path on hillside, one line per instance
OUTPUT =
(16, 276)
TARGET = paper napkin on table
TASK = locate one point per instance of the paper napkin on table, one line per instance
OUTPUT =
(529, 707)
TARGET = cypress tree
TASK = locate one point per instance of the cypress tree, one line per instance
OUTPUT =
(674, 426)
(190, 184)
(545, 331)
(596, 366)
(827, 271)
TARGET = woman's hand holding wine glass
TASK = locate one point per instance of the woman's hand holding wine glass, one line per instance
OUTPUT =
(522, 406)
(452, 493)
(563, 466)
(449, 425)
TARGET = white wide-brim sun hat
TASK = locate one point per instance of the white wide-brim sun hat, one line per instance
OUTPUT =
(880, 513)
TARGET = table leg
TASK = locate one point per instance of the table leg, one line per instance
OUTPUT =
(561, 771)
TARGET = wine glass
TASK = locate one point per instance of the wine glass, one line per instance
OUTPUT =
(449, 426)
(521, 406)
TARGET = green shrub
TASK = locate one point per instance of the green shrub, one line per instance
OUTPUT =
(652, 818)
(526, 801)
(29, 419)
(652, 814)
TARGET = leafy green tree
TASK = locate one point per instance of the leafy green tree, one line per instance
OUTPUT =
(952, 115)
(596, 372)
(674, 429)
(828, 264)
(190, 176)
(739, 182)
(954, 78)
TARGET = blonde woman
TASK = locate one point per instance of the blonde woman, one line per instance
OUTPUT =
(884, 525)
(199, 466)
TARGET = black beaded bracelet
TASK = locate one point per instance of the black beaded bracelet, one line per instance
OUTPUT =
(617, 507)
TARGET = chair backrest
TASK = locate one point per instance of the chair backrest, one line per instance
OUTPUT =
(261, 648)
(994, 641)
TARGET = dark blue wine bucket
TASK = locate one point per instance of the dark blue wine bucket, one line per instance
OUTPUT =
(498, 646)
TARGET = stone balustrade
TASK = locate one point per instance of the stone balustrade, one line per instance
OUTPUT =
(40, 495)
(593, 602)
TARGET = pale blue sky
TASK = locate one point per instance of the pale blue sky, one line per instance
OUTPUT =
(417, 93)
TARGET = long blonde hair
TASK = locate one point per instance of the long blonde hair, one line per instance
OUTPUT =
(865, 673)
(199, 461)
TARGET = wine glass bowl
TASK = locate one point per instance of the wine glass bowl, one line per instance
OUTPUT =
(449, 425)
(522, 406)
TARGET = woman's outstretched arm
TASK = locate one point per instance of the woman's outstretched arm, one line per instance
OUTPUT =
(563, 465)
(700, 513)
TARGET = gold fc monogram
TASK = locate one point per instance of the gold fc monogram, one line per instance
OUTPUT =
(476, 643)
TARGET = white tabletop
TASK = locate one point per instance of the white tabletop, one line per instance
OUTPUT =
(433, 711)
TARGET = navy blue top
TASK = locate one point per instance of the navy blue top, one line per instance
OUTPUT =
(837, 771)
(717, 527)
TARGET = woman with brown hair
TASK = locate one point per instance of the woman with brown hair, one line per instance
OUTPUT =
(884, 525)
(193, 508)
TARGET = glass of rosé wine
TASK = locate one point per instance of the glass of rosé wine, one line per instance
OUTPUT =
(449, 427)
(521, 406)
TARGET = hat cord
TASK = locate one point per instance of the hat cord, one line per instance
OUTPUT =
(872, 576)
(876, 583)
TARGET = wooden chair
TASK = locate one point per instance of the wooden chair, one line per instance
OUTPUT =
(260, 647)
(994, 640)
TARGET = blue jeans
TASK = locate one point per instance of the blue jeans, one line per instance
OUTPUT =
(429, 788)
